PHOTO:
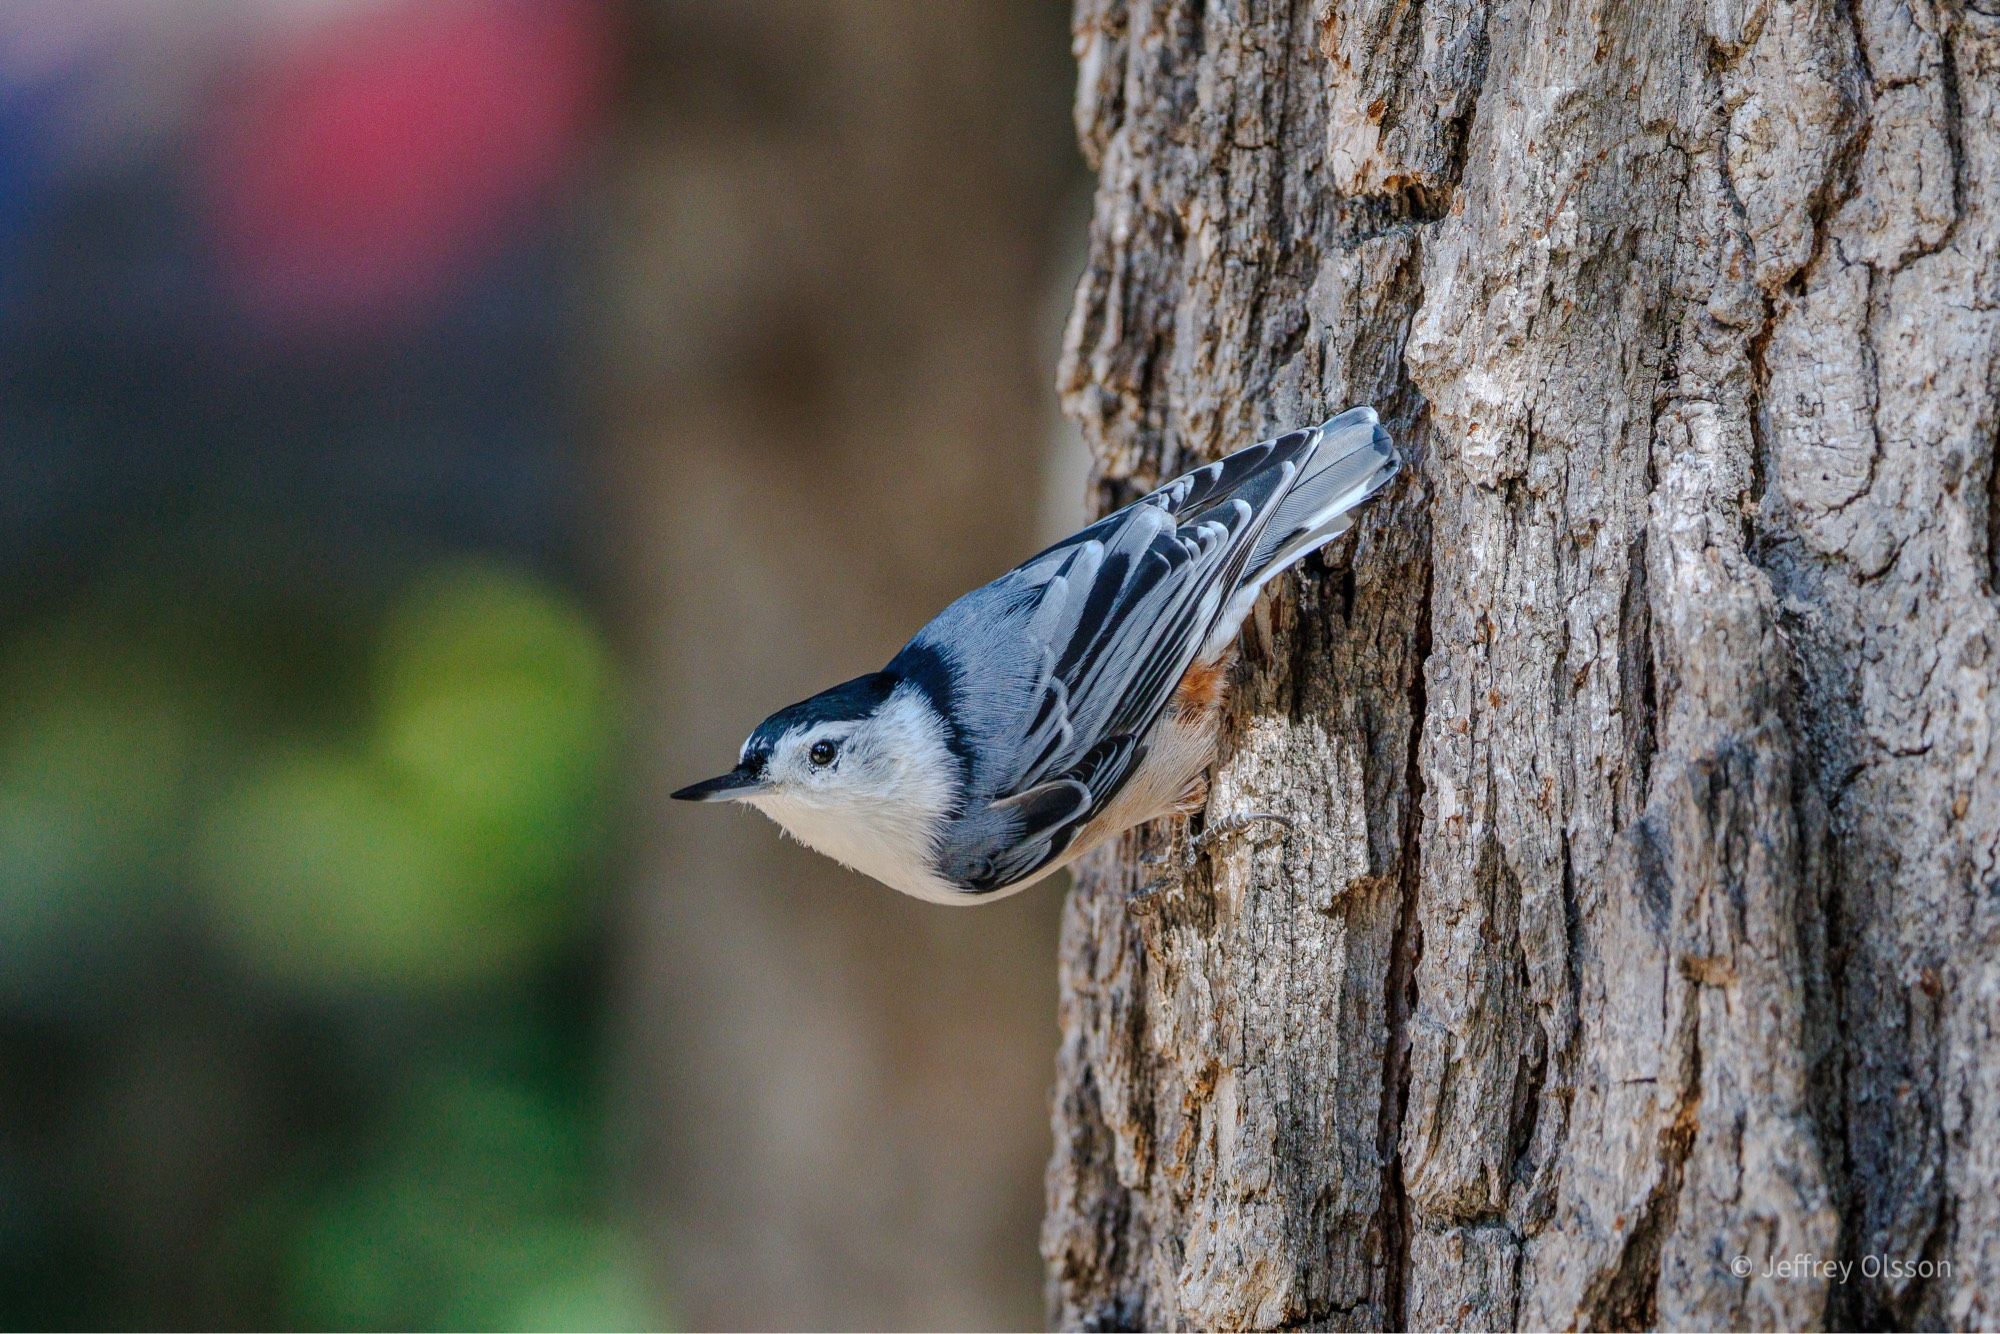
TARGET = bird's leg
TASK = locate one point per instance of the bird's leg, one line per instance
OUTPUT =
(1147, 897)
(1229, 827)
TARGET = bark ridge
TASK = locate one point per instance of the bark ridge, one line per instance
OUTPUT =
(1644, 909)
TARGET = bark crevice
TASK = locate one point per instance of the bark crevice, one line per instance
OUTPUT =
(1399, 1000)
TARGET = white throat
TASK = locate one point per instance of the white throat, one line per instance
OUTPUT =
(884, 820)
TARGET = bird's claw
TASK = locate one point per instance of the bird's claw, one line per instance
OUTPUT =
(1229, 827)
(1144, 899)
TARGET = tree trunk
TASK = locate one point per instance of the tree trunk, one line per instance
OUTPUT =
(1643, 909)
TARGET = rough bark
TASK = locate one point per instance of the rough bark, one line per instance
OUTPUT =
(1645, 905)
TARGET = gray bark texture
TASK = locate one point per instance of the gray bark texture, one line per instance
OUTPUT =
(1644, 907)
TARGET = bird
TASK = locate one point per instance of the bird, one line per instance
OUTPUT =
(1073, 698)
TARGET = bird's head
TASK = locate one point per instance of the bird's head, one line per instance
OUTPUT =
(867, 748)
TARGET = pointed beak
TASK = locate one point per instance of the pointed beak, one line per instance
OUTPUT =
(732, 786)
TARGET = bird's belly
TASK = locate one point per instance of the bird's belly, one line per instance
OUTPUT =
(1167, 781)
(893, 852)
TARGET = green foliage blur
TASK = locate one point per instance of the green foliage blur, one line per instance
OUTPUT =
(436, 846)
(366, 851)
(308, 720)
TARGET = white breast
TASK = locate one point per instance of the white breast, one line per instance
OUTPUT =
(873, 841)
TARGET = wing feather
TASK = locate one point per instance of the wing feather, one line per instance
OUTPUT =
(1046, 818)
(1120, 645)
(1081, 647)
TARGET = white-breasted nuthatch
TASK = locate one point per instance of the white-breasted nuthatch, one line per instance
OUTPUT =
(1069, 700)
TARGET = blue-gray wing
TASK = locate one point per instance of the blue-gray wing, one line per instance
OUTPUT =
(1063, 665)
(1008, 840)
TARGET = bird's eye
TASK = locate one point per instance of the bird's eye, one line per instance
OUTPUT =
(822, 753)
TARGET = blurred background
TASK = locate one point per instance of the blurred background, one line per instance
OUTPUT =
(430, 432)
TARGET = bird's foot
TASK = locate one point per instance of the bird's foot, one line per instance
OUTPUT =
(1229, 827)
(1147, 897)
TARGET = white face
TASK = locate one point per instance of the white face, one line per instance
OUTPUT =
(890, 761)
(872, 793)
(824, 764)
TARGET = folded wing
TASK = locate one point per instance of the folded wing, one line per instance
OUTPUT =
(1082, 646)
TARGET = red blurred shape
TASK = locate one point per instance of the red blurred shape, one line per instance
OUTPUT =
(361, 164)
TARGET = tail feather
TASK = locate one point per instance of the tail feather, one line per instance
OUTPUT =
(1354, 459)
